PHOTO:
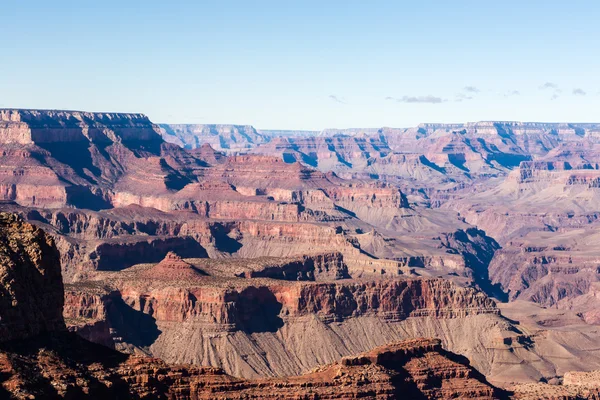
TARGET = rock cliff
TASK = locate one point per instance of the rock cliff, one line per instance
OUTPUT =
(31, 289)
(135, 311)
(229, 138)
(55, 126)
(272, 254)
(39, 359)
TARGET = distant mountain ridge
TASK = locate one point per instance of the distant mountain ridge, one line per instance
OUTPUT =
(239, 137)
(433, 152)
(220, 137)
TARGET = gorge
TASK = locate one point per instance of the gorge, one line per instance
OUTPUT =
(454, 260)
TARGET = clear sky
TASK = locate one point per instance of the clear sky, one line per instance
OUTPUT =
(305, 64)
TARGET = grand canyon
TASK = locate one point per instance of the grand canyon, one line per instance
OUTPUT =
(180, 261)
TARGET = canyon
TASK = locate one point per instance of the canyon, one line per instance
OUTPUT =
(444, 260)
(39, 358)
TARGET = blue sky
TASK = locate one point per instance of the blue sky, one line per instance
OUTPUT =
(305, 64)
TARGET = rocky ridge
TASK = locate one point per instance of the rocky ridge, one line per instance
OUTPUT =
(28, 262)
(49, 362)
(339, 220)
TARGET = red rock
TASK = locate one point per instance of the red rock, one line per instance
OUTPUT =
(173, 267)
(39, 359)
(31, 289)
(351, 214)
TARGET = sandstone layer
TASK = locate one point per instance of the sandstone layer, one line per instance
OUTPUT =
(47, 362)
(270, 254)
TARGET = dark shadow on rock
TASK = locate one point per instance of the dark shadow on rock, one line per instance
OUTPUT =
(425, 161)
(460, 359)
(83, 198)
(144, 148)
(343, 161)
(289, 158)
(222, 240)
(4, 394)
(345, 211)
(35, 383)
(118, 256)
(474, 373)
(173, 179)
(509, 160)
(312, 161)
(76, 353)
(258, 311)
(134, 327)
(77, 155)
(405, 387)
(483, 248)
(458, 161)
(482, 279)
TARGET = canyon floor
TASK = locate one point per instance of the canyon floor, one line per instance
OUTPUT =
(444, 261)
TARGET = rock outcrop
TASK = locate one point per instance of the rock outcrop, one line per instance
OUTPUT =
(254, 326)
(55, 126)
(31, 289)
(150, 197)
(270, 254)
(39, 359)
(76, 369)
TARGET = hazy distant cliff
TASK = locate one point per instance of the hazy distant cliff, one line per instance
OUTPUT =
(220, 137)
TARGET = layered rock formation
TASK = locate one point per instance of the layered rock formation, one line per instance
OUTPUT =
(57, 158)
(38, 359)
(156, 308)
(241, 257)
(458, 152)
(31, 289)
(204, 319)
(75, 368)
(229, 138)
(545, 215)
(52, 126)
